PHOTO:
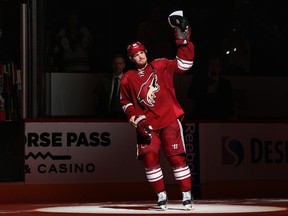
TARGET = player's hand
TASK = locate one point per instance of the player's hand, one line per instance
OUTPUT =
(182, 37)
(143, 127)
(181, 27)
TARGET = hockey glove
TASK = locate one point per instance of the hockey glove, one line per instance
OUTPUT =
(181, 37)
(181, 26)
(143, 127)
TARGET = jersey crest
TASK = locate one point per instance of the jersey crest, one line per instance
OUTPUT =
(148, 89)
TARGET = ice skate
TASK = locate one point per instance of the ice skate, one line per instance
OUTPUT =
(187, 200)
(162, 200)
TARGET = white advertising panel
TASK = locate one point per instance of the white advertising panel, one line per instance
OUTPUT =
(243, 151)
(77, 152)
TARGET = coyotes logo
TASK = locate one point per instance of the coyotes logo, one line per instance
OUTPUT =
(148, 90)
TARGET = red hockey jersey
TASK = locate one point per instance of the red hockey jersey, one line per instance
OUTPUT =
(151, 92)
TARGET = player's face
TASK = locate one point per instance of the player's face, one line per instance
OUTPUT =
(140, 59)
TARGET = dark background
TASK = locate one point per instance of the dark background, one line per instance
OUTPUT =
(114, 25)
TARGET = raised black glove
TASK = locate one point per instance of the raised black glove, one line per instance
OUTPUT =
(181, 37)
(143, 127)
(181, 26)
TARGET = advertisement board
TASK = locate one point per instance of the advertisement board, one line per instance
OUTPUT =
(243, 151)
(80, 152)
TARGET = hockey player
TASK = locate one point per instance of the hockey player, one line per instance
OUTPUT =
(148, 98)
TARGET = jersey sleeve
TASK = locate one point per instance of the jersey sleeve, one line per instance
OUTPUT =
(185, 57)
